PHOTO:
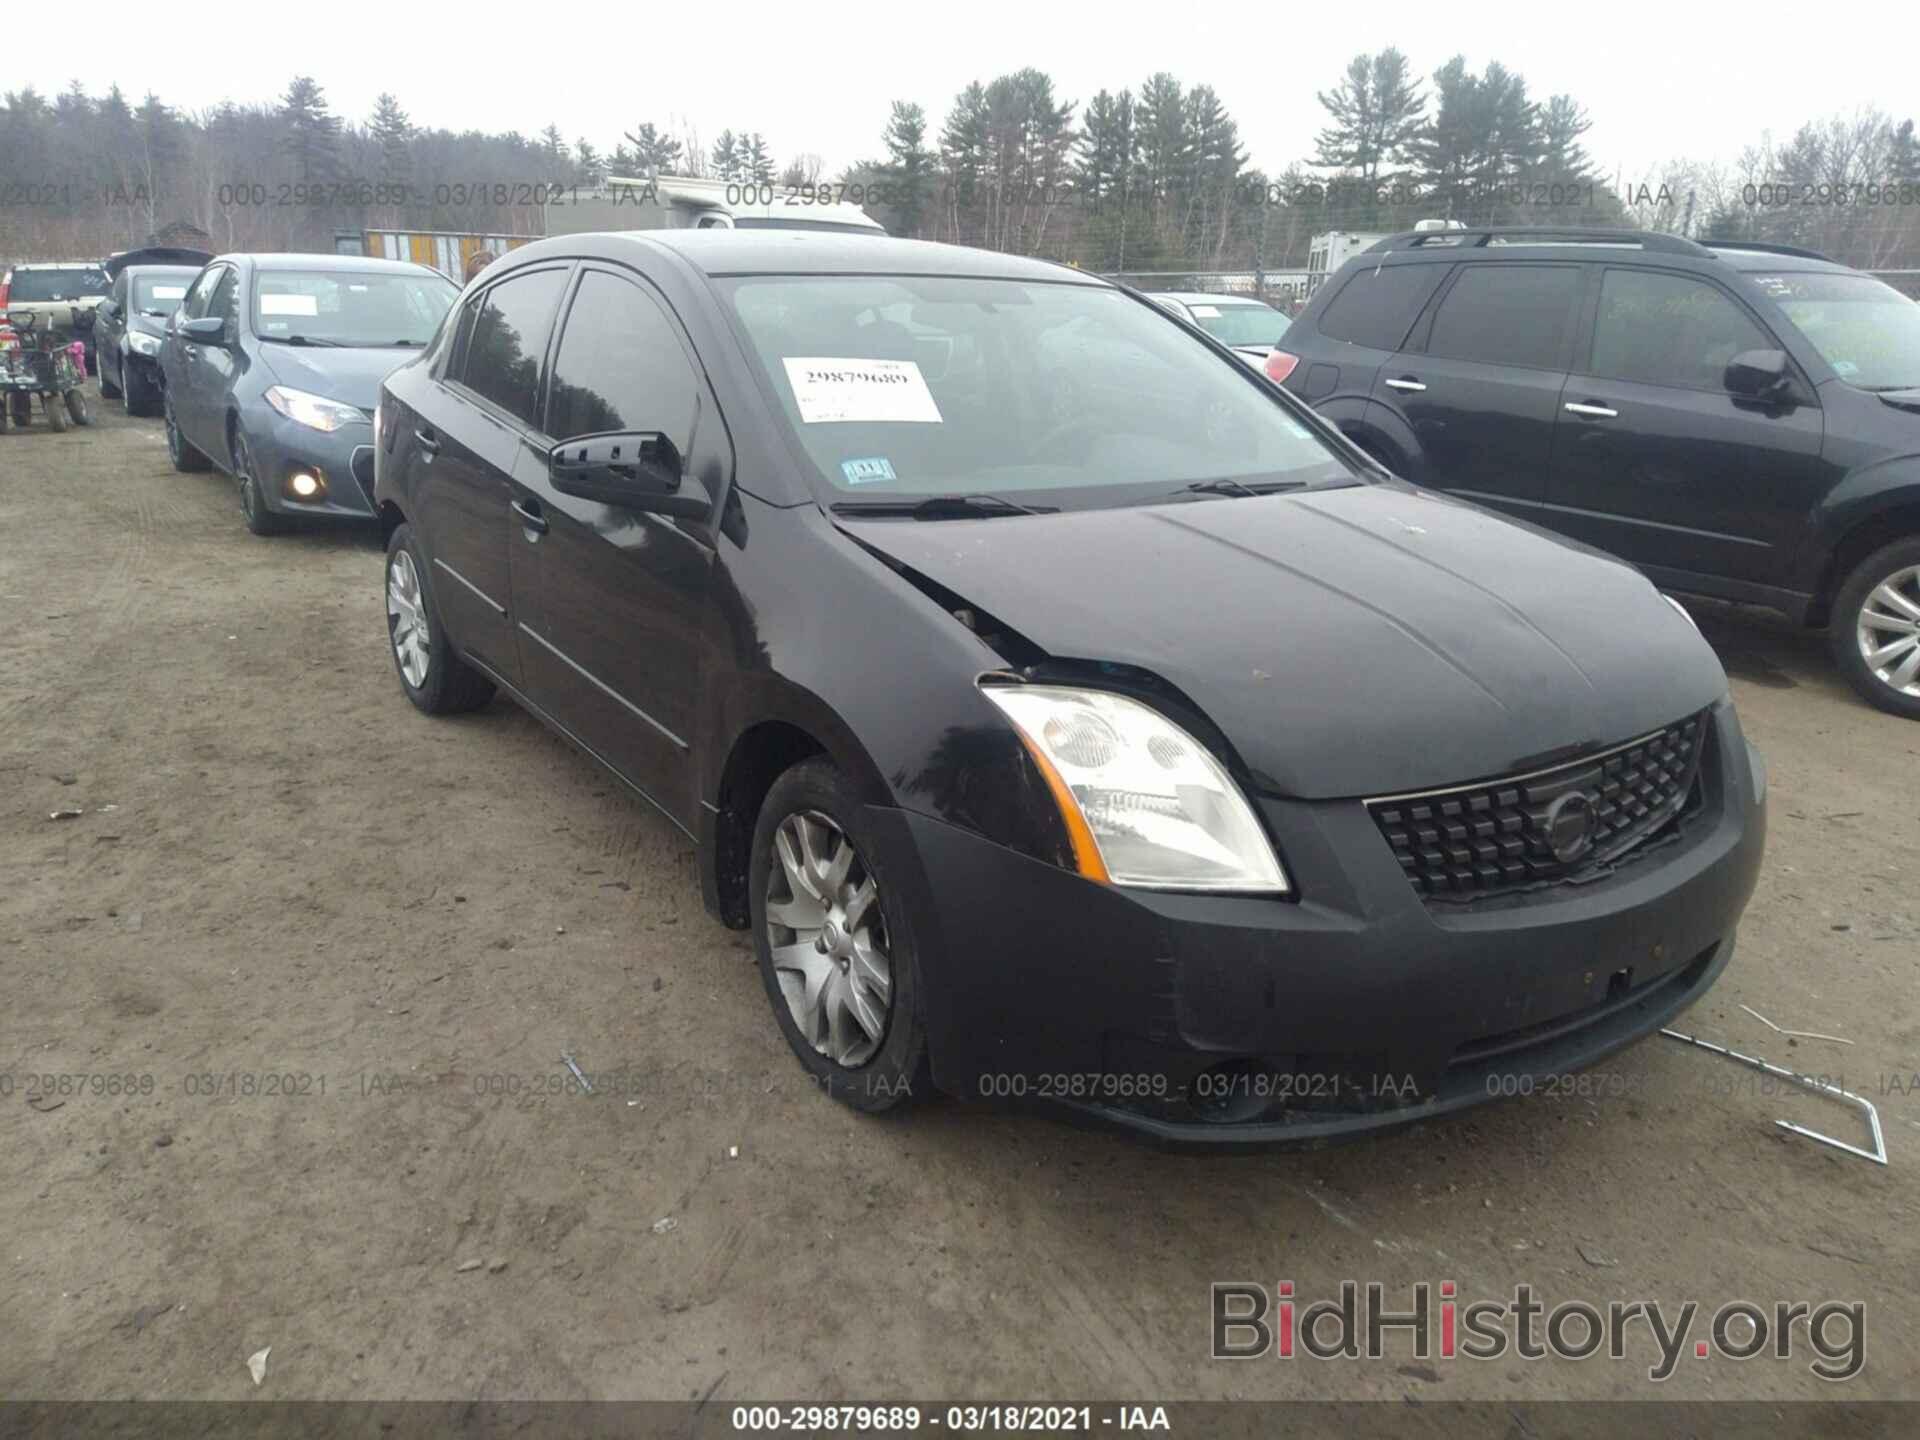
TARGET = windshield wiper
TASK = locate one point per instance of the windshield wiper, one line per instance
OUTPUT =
(304, 340)
(1237, 487)
(942, 507)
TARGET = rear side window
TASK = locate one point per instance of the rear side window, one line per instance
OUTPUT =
(620, 366)
(1507, 315)
(1661, 329)
(196, 302)
(509, 341)
(1378, 304)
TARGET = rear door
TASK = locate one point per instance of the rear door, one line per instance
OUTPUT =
(611, 631)
(1656, 462)
(1478, 384)
(469, 432)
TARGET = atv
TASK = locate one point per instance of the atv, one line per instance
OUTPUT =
(41, 363)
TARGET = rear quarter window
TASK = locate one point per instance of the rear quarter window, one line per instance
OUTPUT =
(1379, 303)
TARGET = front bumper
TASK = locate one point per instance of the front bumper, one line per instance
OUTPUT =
(1225, 1020)
(281, 448)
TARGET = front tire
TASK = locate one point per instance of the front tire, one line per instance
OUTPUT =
(185, 458)
(835, 945)
(1875, 628)
(56, 408)
(78, 408)
(143, 395)
(436, 680)
(253, 502)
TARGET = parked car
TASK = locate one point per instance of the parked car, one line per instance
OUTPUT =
(272, 365)
(130, 324)
(1110, 734)
(62, 295)
(1739, 420)
(1250, 326)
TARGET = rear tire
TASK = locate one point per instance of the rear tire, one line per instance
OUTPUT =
(20, 407)
(818, 942)
(78, 408)
(185, 458)
(1877, 610)
(436, 680)
(56, 408)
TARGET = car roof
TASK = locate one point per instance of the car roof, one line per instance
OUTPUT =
(1201, 297)
(810, 252)
(323, 260)
(1772, 261)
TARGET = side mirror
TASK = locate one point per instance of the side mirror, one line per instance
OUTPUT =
(22, 319)
(635, 469)
(109, 309)
(1757, 374)
(207, 330)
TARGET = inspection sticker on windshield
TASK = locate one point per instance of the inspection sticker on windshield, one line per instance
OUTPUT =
(836, 389)
(289, 305)
(867, 472)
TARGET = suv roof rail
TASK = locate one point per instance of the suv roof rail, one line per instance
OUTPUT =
(1481, 235)
(1768, 247)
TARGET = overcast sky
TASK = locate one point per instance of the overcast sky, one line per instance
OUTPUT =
(1658, 80)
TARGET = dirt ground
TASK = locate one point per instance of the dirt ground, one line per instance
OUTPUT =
(281, 870)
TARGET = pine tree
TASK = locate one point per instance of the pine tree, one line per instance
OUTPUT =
(726, 157)
(653, 153)
(756, 161)
(908, 170)
(1375, 111)
(312, 132)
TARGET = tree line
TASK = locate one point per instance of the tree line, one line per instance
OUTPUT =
(1154, 177)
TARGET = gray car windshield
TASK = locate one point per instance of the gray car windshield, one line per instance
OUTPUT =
(361, 308)
(1865, 329)
(160, 294)
(1058, 394)
(1259, 325)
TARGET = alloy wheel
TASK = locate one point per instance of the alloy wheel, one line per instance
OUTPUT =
(828, 939)
(407, 619)
(1888, 631)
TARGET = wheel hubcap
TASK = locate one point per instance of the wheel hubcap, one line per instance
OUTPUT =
(828, 940)
(1888, 631)
(407, 619)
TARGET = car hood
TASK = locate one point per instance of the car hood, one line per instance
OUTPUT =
(1353, 642)
(350, 376)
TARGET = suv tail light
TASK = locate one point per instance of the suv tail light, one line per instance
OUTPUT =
(6, 291)
(1280, 365)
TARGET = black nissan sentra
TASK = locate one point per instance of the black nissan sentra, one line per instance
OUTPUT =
(1070, 714)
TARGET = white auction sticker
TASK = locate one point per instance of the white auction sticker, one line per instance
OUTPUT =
(828, 388)
(289, 305)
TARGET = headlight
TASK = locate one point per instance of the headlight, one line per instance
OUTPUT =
(1683, 612)
(142, 343)
(316, 412)
(1148, 799)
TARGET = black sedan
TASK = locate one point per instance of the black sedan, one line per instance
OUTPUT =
(130, 325)
(272, 364)
(1071, 714)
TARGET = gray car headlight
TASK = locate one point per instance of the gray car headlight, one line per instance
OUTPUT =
(1151, 803)
(143, 344)
(316, 412)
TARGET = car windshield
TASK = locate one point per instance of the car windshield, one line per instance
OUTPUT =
(1259, 325)
(160, 294)
(367, 309)
(78, 283)
(1865, 329)
(1063, 394)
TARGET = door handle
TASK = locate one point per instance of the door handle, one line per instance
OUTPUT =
(530, 515)
(429, 442)
(1597, 412)
(1405, 382)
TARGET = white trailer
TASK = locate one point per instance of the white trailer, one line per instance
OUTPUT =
(679, 202)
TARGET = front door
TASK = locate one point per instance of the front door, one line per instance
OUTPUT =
(612, 635)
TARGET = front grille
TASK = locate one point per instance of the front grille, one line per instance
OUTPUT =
(363, 470)
(1499, 835)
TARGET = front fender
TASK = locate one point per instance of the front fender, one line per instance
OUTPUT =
(1869, 493)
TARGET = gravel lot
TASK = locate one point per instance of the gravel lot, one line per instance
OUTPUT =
(281, 870)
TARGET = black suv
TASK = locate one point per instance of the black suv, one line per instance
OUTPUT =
(1739, 420)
